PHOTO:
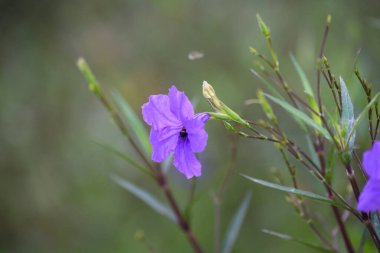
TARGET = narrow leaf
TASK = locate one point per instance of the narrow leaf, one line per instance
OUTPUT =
(376, 223)
(146, 197)
(125, 158)
(235, 224)
(133, 121)
(307, 88)
(268, 85)
(300, 115)
(348, 117)
(363, 239)
(301, 73)
(361, 116)
(295, 191)
(300, 241)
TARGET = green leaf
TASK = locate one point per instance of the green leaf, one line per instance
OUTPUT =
(361, 116)
(235, 224)
(348, 117)
(300, 241)
(363, 239)
(301, 73)
(376, 222)
(146, 197)
(268, 85)
(301, 116)
(306, 194)
(134, 122)
(125, 158)
(307, 88)
(93, 84)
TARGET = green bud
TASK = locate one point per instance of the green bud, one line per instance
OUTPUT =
(229, 126)
(219, 115)
(234, 116)
(93, 84)
(328, 20)
(209, 94)
(223, 112)
(263, 27)
(253, 50)
(325, 62)
(357, 72)
(266, 106)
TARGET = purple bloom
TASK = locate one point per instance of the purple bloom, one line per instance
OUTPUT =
(175, 128)
(371, 161)
(369, 199)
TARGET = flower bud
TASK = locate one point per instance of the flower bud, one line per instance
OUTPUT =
(328, 20)
(208, 90)
(93, 84)
(223, 112)
(209, 94)
(253, 50)
(263, 27)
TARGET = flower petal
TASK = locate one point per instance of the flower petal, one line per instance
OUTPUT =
(163, 143)
(185, 160)
(196, 132)
(180, 105)
(157, 113)
(371, 161)
(203, 116)
(369, 200)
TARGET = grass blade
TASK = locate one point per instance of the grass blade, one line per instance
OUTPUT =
(235, 225)
(268, 84)
(305, 82)
(307, 88)
(125, 158)
(300, 115)
(300, 241)
(146, 197)
(306, 194)
(348, 117)
(133, 121)
(363, 239)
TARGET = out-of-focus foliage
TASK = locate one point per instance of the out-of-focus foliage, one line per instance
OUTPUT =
(55, 190)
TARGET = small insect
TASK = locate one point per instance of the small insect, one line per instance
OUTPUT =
(195, 55)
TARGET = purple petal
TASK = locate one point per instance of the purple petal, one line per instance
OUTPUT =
(371, 161)
(196, 132)
(180, 105)
(369, 200)
(163, 142)
(203, 116)
(185, 160)
(157, 114)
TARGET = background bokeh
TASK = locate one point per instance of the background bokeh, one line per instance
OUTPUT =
(55, 191)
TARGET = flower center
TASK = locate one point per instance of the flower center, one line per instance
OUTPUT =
(183, 133)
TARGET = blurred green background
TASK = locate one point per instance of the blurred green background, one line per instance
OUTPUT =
(55, 191)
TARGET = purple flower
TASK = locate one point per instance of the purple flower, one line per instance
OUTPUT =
(369, 199)
(175, 128)
(371, 161)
